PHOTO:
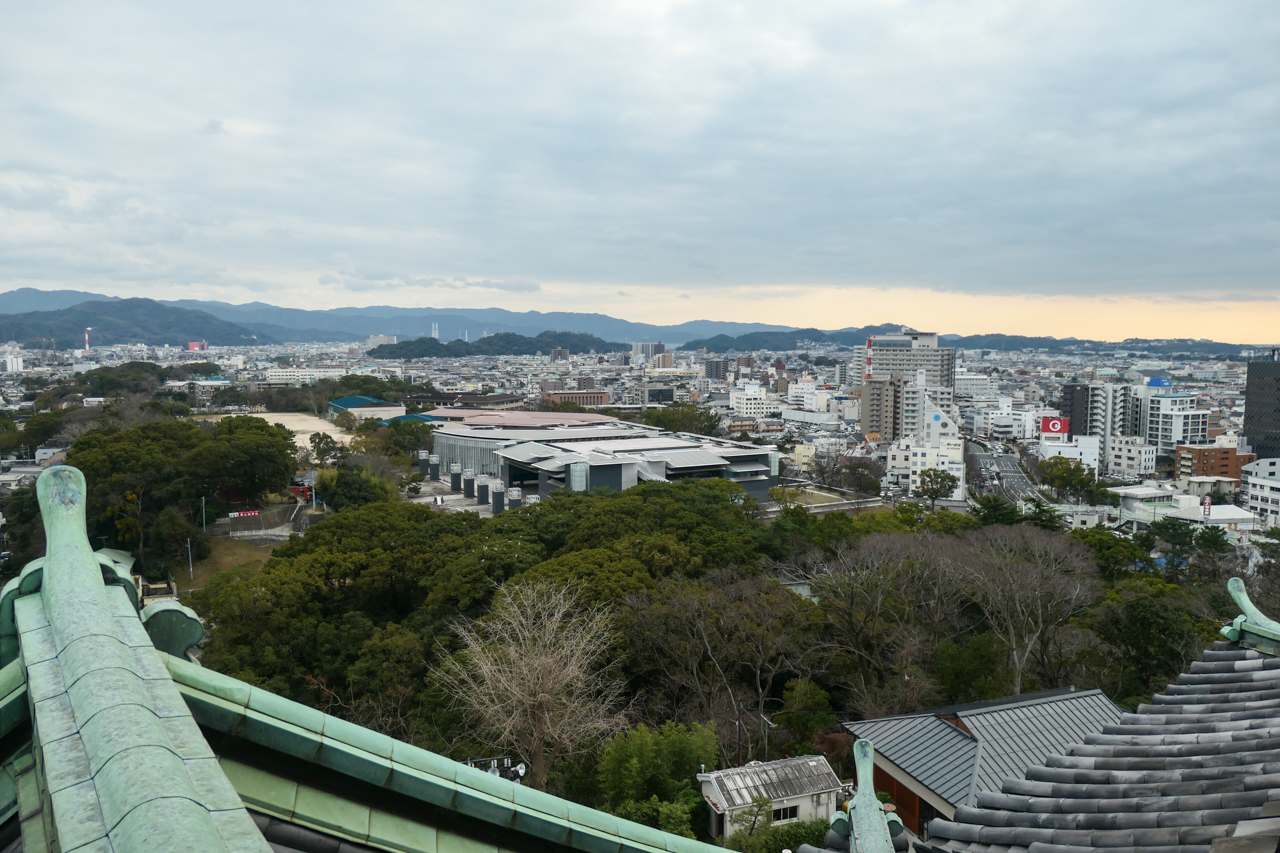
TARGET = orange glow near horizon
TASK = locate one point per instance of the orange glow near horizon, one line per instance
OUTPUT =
(1233, 318)
(1106, 318)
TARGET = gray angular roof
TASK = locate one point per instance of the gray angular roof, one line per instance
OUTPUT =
(936, 753)
(1014, 737)
(1197, 766)
(960, 750)
(777, 780)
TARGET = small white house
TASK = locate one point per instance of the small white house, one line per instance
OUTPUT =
(804, 788)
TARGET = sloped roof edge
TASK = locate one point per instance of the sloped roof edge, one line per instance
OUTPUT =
(231, 706)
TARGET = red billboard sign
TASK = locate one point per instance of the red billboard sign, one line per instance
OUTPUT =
(1054, 426)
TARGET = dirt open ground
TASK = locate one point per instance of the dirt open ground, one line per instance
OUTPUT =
(303, 425)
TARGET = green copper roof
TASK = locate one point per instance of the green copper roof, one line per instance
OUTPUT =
(118, 760)
(225, 704)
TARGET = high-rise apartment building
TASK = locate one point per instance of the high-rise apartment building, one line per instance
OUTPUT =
(882, 406)
(716, 368)
(646, 351)
(559, 354)
(1262, 407)
(1172, 419)
(909, 352)
(1105, 410)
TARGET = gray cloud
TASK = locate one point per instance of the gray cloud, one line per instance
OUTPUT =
(975, 147)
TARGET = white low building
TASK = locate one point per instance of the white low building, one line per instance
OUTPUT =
(800, 789)
(1130, 457)
(1085, 448)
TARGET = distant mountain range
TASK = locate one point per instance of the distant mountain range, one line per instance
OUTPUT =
(355, 324)
(29, 314)
(124, 321)
(503, 343)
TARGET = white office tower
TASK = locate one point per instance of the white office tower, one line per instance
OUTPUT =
(796, 391)
(911, 351)
(973, 384)
(919, 401)
(750, 402)
(1129, 457)
(1260, 481)
(12, 363)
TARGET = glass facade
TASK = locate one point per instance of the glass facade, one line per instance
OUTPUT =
(1262, 409)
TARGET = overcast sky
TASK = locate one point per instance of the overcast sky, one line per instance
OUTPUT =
(1094, 169)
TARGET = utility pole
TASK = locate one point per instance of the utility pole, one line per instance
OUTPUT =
(767, 725)
(190, 565)
(204, 524)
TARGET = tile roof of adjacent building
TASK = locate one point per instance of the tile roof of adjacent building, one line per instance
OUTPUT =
(1196, 769)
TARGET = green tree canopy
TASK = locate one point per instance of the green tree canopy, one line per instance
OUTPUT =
(936, 483)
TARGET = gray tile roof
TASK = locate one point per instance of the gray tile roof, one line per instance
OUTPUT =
(994, 740)
(1015, 737)
(1198, 765)
(777, 780)
(936, 753)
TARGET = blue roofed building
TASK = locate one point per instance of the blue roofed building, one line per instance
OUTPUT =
(364, 408)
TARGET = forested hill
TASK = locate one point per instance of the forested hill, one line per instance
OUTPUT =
(125, 321)
(795, 339)
(505, 343)
(801, 338)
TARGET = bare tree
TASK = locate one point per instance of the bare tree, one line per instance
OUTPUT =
(887, 592)
(719, 650)
(1028, 583)
(533, 675)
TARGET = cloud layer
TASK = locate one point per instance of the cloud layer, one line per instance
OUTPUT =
(578, 155)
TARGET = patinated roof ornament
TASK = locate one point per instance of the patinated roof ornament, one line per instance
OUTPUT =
(869, 828)
(1252, 629)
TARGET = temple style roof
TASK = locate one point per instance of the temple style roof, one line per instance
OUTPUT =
(1196, 769)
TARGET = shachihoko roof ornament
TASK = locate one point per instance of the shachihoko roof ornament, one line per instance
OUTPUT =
(1252, 629)
(869, 828)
